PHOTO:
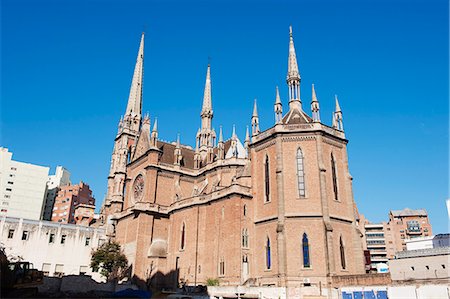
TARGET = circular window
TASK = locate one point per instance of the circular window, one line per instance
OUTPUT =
(138, 188)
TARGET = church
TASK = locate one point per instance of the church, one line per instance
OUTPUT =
(275, 210)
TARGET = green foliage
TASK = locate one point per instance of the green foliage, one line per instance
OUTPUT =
(212, 282)
(109, 260)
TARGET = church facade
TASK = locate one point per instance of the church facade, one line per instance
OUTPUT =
(276, 210)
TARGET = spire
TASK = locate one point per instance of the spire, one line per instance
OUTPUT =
(221, 146)
(338, 123)
(278, 108)
(134, 105)
(177, 152)
(255, 120)
(293, 76)
(293, 72)
(315, 106)
(207, 103)
(247, 143)
(338, 108)
(207, 136)
(233, 135)
(220, 135)
(154, 134)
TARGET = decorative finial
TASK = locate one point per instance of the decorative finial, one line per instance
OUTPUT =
(220, 134)
(155, 125)
(290, 30)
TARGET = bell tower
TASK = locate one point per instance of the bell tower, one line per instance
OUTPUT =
(125, 141)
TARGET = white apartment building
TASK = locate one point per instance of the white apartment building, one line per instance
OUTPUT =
(55, 181)
(54, 248)
(22, 187)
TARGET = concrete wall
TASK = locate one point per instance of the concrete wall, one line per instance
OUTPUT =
(72, 256)
(421, 267)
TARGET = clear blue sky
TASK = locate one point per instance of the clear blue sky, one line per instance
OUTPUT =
(66, 68)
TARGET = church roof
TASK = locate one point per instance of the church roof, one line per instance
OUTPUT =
(168, 157)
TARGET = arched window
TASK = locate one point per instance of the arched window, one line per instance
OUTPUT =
(300, 174)
(333, 173)
(266, 180)
(222, 267)
(245, 210)
(183, 236)
(341, 248)
(245, 238)
(268, 256)
(305, 247)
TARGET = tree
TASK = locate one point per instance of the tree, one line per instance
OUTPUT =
(109, 260)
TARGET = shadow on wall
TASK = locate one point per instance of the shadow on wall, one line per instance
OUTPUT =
(158, 281)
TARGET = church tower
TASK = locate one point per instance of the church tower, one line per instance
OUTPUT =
(125, 141)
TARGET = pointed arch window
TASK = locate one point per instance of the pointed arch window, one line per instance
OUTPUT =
(222, 267)
(305, 248)
(334, 177)
(183, 236)
(245, 210)
(266, 180)
(245, 238)
(342, 251)
(268, 255)
(300, 174)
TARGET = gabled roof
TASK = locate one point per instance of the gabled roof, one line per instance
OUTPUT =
(295, 116)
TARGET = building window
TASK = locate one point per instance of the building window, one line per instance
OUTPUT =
(63, 239)
(266, 180)
(183, 236)
(11, 183)
(7, 196)
(222, 267)
(245, 210)
(87, 242)
(13, 168)
(51, 239)
(25, 235)
(245, 238)
(412, 268)
(300, 174)
(334, 177)
(305, 247)
(10, 234)
(443, 266)
(8, 189)
(59, 270)
(83, 270)
(268, 255)
(46, 269)
(341, 248)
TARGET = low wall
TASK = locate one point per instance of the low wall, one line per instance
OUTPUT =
(374, 279)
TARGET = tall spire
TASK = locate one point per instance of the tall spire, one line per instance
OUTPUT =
(278, 108)
(220, 145)
(206, 136)
(255, 120)
(207, 103)
(315, 106)
(247, 143)
(293, 76)
(134, 105)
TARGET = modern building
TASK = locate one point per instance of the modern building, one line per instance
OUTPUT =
(277, 210)
(54, 182)
(376, 242)
(55, 248)
(439, 240)
(68, 198)
(22, 187)
(407, 224)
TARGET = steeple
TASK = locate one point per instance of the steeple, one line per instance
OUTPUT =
(255, 120)
(293, 76)
(206, 136)
(338, 116)
(315, 106)
(278, 108)
(134, 106)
